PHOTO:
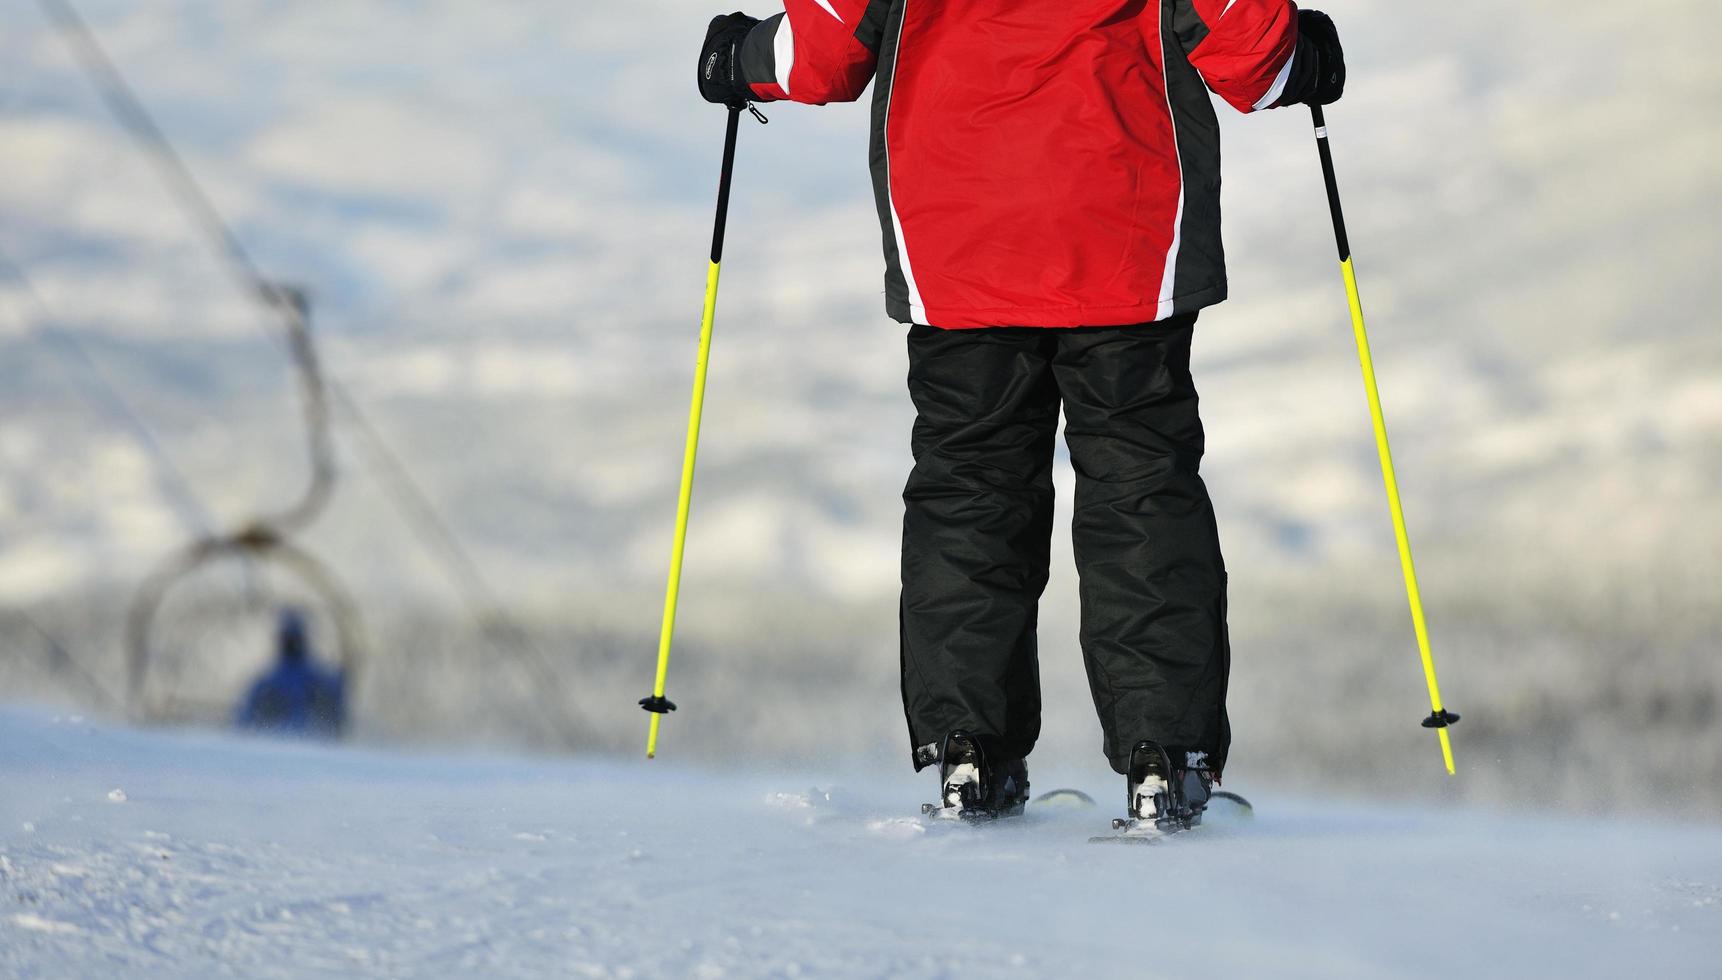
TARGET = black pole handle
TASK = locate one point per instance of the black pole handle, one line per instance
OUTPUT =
(723, 182)
(1339, 236)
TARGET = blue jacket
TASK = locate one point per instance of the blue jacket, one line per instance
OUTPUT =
(297, 697)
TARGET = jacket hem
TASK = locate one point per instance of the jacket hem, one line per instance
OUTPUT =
(1058, 317)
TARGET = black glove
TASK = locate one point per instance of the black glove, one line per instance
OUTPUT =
(1318, 68)
(720, 60)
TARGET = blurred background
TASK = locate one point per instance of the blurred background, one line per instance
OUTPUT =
(499, 215)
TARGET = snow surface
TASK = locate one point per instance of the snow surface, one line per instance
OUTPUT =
(221, 855)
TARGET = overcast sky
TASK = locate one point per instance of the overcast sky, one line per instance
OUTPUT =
(503, 211)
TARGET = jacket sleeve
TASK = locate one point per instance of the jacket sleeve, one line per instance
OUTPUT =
(1244, 49)
(816, 51)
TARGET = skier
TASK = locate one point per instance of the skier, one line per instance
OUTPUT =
(1047, 178)
(297, 696)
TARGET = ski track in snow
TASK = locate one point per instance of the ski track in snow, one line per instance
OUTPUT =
(229, 856)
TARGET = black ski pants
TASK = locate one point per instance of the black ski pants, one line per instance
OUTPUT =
(977, 530)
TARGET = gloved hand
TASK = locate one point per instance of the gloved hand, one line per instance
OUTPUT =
(1318, 71)
(720, 60)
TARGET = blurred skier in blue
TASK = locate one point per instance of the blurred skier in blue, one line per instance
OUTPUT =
(297, 696)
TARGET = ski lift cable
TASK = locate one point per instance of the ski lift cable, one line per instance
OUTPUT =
(59, 654)
(123, 102)
(414, 506)
(136, 120)
(101, 389)
(286, 303)
(409, 499)
(90, 379)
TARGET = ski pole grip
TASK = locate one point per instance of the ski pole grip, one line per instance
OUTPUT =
(1331, 180)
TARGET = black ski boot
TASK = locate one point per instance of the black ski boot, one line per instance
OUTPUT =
(973, 787)
(1162, 798)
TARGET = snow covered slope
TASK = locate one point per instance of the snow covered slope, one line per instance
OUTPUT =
(148, 854)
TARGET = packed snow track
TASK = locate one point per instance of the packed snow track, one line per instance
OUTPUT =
(151, 854)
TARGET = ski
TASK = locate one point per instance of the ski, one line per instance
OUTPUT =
(1064, 799)
(1242, 804)
(1139, 837)
(935, 813)
(1144, 832)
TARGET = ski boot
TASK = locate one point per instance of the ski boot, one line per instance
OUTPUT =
(972, 787)
(1162, 798)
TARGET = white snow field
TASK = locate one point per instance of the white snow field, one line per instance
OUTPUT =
(152, 854)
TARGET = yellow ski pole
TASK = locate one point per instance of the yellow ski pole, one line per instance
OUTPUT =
(1439, 717)
(657, 704)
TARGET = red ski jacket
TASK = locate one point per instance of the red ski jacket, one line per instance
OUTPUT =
(1051, 163)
